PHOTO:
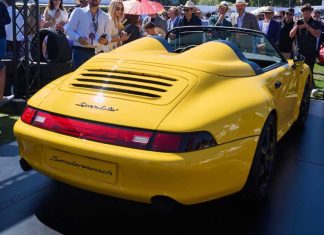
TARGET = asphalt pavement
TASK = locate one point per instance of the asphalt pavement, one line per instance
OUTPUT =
(31, 203)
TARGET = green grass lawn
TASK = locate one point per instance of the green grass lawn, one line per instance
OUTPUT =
(319, 76)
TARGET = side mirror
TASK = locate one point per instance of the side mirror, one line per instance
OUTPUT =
(298, 59)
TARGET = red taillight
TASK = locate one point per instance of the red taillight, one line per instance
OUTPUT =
(182, 142)
(164, 142)
(28, 114)
(93, 131)
(116, 135)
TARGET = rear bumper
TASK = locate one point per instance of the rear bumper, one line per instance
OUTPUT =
(188, 178)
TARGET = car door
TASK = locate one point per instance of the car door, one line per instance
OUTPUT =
(281, 81)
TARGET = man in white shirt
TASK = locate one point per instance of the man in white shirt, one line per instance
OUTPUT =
(9, 29)
(87, 27)
(174, 18)
(269, 26)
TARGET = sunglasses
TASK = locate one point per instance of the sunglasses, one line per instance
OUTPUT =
(187, 9)
(119, 9)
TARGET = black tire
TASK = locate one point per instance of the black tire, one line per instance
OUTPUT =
(257, 184)
(58, 48)
(304, 106)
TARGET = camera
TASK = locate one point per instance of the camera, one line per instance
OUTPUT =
(300, 22)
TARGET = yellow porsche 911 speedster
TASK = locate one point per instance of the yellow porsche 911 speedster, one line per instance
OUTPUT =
(188, 118)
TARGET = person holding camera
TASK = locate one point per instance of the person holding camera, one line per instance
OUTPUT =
(87, 26)
(306, 31)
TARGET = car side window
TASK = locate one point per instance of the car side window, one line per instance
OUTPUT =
(258, 49)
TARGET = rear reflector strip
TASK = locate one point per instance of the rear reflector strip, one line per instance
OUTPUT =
(117, 135)
(93, 131)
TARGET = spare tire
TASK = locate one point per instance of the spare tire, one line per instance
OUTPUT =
(58, 48)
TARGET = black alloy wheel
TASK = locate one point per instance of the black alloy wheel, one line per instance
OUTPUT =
(257, 184)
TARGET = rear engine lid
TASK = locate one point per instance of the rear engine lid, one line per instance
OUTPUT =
(120, 96)
(150, 85)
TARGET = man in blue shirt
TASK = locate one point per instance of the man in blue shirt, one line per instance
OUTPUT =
(86, 26)
(243, 19)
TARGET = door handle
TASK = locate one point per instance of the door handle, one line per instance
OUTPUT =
(278, 84)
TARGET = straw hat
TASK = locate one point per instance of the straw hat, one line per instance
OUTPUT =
(224, 3)
(189, 4)
(268, 9)
(238, 2)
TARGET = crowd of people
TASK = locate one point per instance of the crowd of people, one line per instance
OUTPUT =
(92, 31)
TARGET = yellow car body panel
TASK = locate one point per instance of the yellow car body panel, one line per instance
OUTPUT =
(186, 177)
(168, 92)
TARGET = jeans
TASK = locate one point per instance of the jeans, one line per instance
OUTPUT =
(3, 47)
(81, 55)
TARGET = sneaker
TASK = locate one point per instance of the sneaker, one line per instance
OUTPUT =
(315, 93)
(6, 99)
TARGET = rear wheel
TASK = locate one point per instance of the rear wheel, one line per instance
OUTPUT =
(257, 184)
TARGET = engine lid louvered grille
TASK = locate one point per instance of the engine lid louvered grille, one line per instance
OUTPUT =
(118, 83)
(121, 72)
(124, 78)
(116, 90)
(131, 84)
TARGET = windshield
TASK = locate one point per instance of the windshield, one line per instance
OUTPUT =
(254, 45)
